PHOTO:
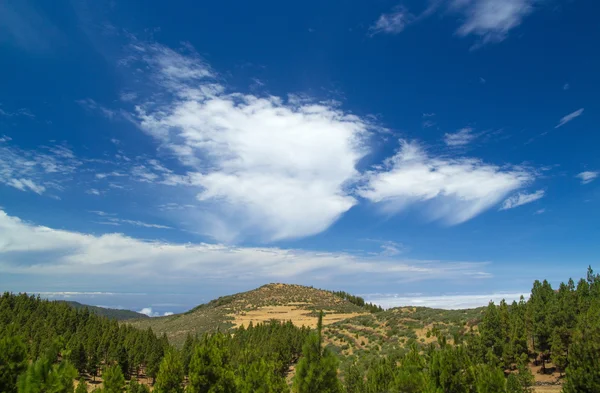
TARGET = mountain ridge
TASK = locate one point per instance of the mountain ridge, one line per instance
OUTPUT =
(112, 313)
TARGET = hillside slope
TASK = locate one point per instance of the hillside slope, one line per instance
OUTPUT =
(112, 313)
(383, 332)
(284, 302)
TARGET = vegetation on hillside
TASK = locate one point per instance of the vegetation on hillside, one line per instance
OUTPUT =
(47, 346)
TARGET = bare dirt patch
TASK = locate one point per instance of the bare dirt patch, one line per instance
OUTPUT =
(548, 389)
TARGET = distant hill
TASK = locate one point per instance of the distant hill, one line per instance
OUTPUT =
(350, 326)
(285, 302)
(112, 313)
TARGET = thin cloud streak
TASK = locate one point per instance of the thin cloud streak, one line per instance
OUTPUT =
(571, 116)
(522, 199)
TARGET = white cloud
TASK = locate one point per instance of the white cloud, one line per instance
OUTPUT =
(274, 167)
(25, 185)
(447, 302)
(120, 259)
(587, 176)
(491, 20)
(456, 190)
(148, 311)
(462, 137)
(36, 170)
(569, 117)
(522, 198)
(540, 211)
(93, 191)
(393, 22)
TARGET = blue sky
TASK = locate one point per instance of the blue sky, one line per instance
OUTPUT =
(438, 152)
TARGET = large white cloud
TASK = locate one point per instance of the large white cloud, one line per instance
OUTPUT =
(457, 189)
(272, 166)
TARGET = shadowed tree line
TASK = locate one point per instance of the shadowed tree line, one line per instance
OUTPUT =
(358, 301)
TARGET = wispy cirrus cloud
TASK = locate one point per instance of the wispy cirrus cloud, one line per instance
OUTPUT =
(40, 170)
(571, 116)
(587, 176)
(455, 189)
(488, 20)
(16, 113)
(522, 198)
(392, 23)
(111, 219)
(462, 137)
(491, 20)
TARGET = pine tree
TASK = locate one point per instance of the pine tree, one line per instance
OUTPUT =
(317, 369)
(489, 379)
(170, 375)
(13, 362)
(259, 377)
(210, 367)
(43, 376)
(491, 330)
(558, 352)
(93, 364)
(78, 357)
(188, 348)
(136, 387)
(155, 356)
(114, 381)
(583, 371)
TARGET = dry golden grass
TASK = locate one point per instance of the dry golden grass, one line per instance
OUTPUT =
(298, 316)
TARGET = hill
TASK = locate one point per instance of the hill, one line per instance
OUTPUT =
(112, 313)
(296, 303)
